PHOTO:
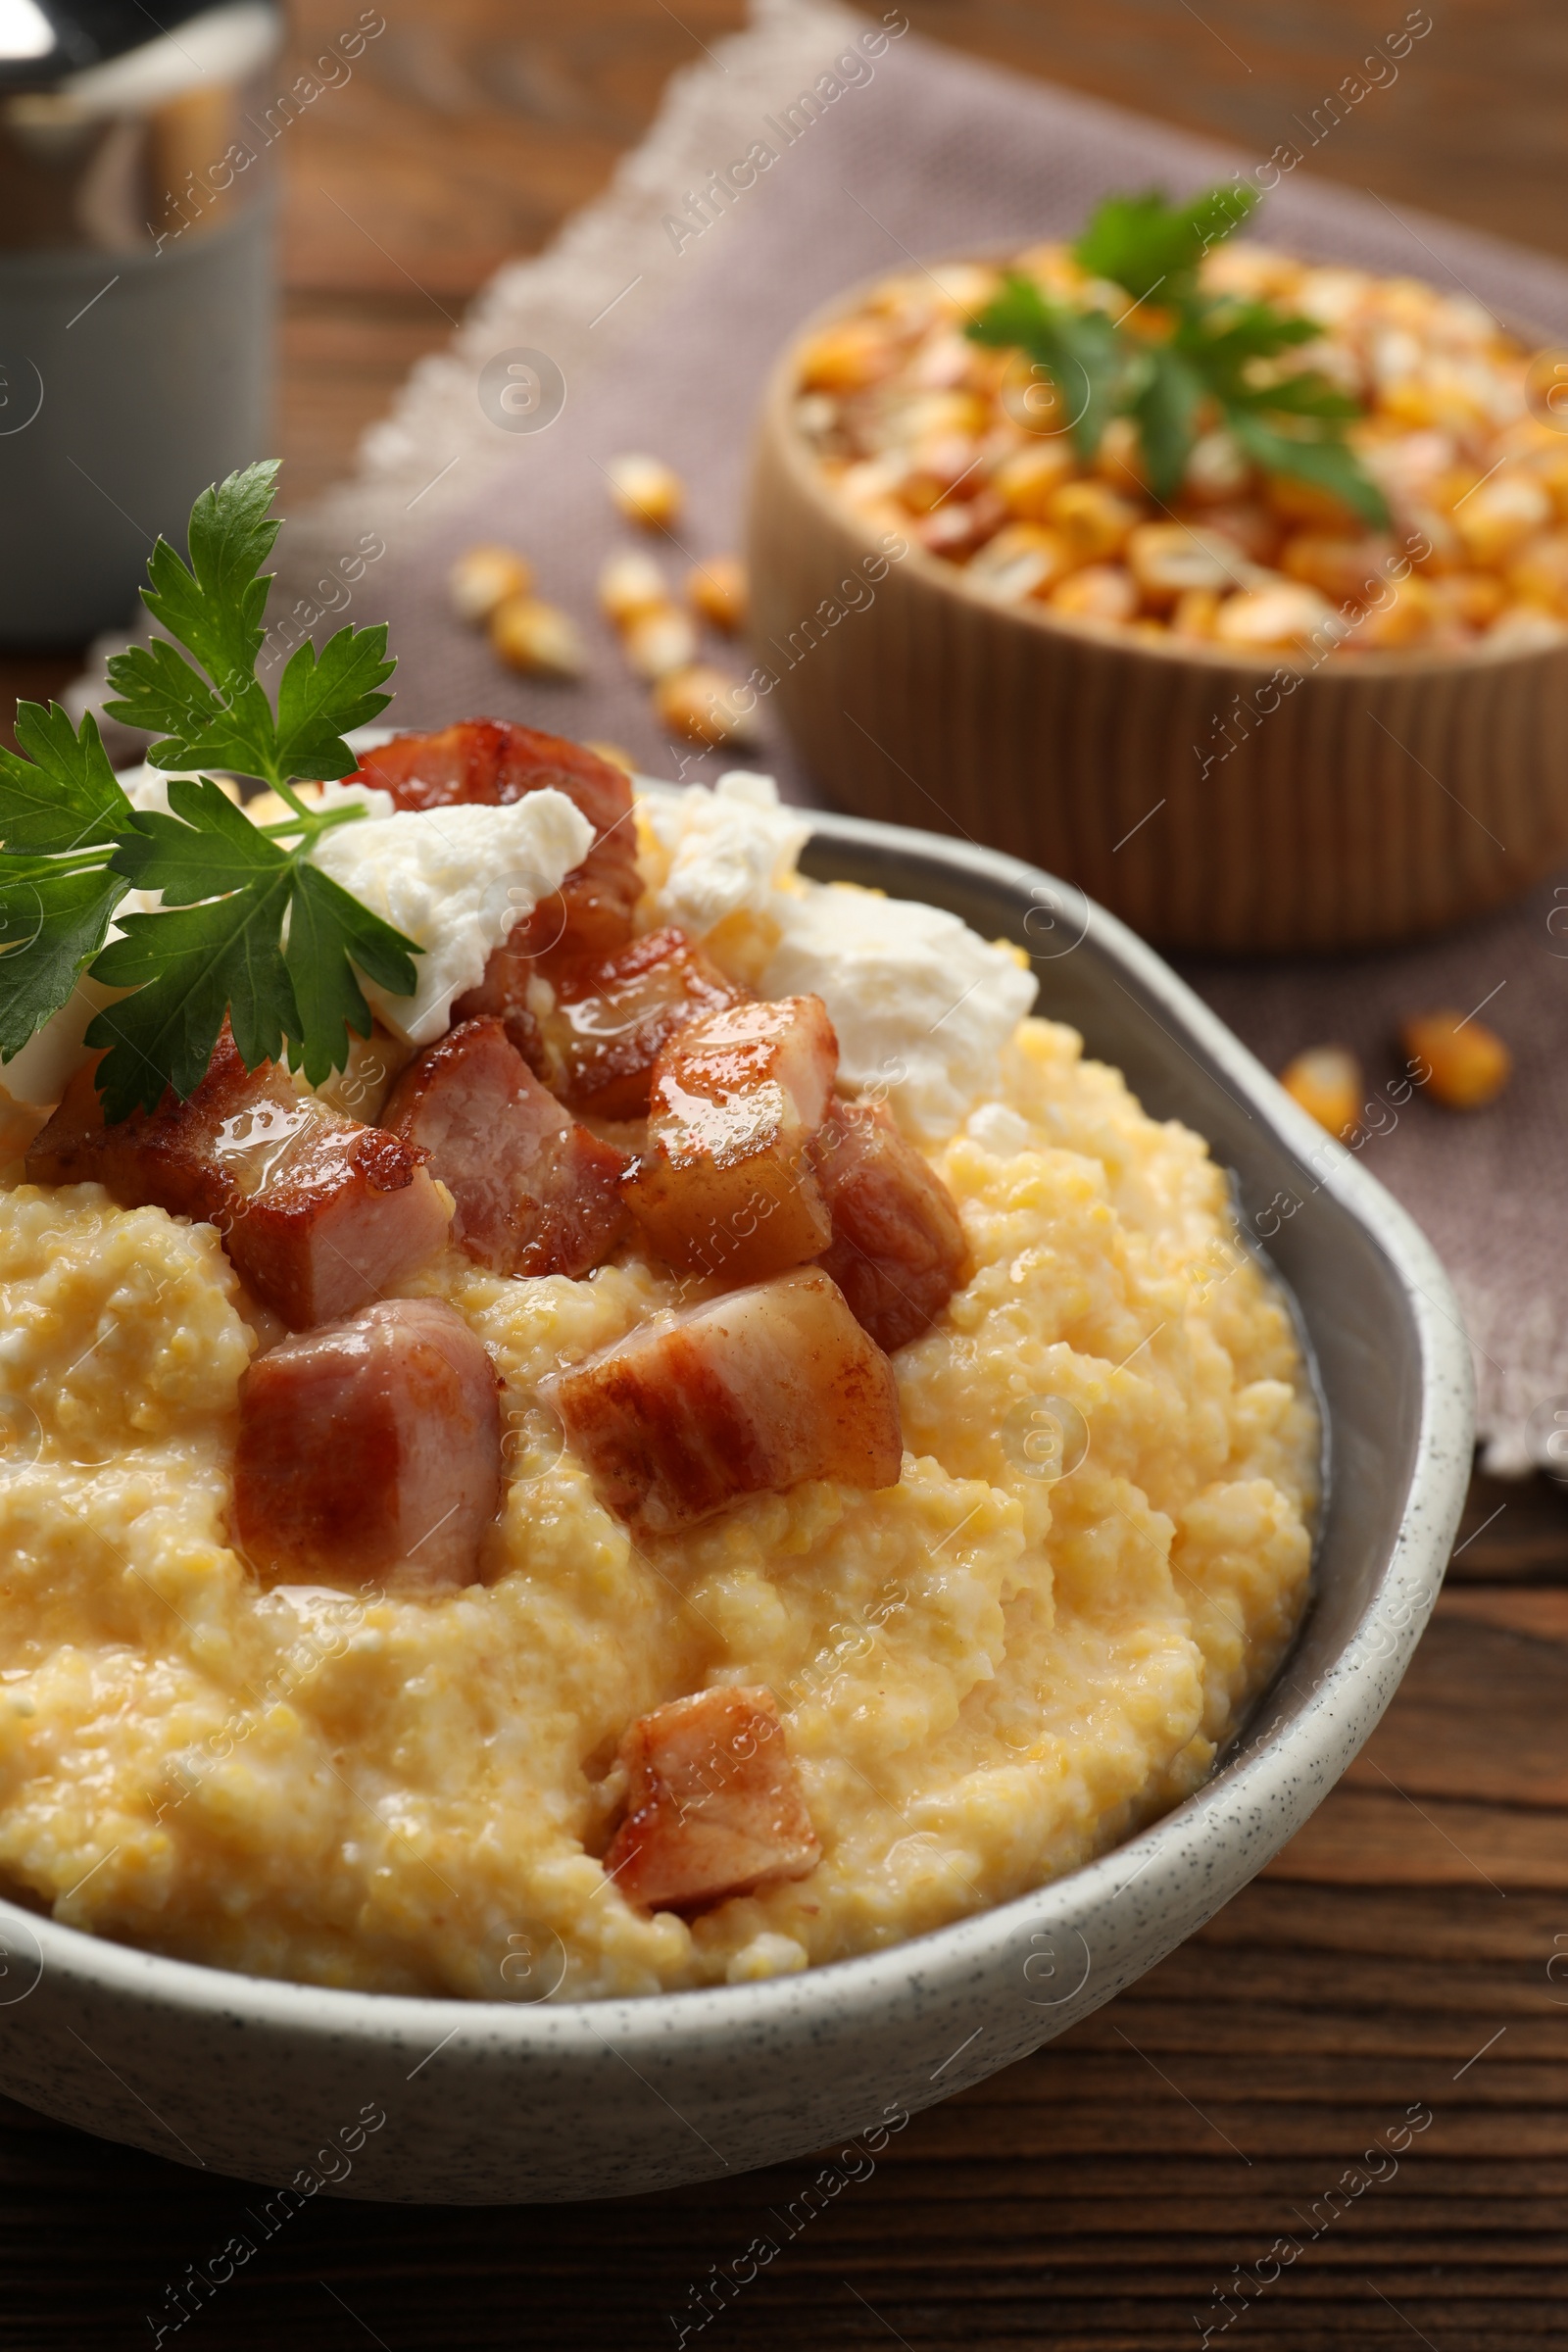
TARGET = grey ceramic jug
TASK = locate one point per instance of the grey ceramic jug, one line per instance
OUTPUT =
(136, 269)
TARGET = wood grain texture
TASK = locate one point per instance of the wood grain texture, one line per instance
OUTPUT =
(1096, 2195)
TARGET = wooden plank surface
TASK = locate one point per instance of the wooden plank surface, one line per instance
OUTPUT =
(1399, 1962)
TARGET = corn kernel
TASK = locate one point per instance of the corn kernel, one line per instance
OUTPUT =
(1467, 1063)
(847, 358)
(1327, 1082)
(718, 590)
(1216, 469)
(538, 638)
(1095, 522)
(1499, 515)
(1023, 560)
(1526, 629)
(1282, 615)
(703, 704)
(1552, 474)
(483, 577)
(1028, 394)
(1406, 615)
(660, 640)
(1300, 502)
(1096, 592)
(1475, 598)
(1196, 613)
(1166, 558)
(646, 490)
(1344, 571)
(1538, 572)
(1120, 458)
(1026, 479)
(630, 583)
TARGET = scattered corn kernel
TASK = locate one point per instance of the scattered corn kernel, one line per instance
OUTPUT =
(538, 638)
(660, 641)
(718, 590)
(1196, 613)
(1467, 1063)
(646, 490)
(1406, 614)
(483, 577)
(703, 704)
(630, 583)
(1327, 1082)
(1344, 571)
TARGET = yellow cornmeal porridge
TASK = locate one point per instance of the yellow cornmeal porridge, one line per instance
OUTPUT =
(986, 1675)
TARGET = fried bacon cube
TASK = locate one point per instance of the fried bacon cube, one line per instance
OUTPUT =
(749, 1394)
(535, 1193)
(494, 761)
(726, 1185)
(714, 1806)
(897, 1251)
(370, 1450)
(317, 1213)
(613, 1015)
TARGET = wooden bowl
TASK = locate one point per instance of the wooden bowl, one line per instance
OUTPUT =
(1218, 801)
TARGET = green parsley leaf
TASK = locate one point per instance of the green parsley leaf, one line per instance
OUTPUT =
(247, 928)
(1080, 351)
(328, 934)
(218, 944)
(1149, 246)
(1210, 351)
(320, 698)
(62, 794)
(214, 608)
(1326, 463)
(51, 920)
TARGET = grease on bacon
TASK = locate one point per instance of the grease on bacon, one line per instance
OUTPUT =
(317, 1213)
(725, 1185)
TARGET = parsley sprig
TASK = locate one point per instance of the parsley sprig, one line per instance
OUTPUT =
(247, 928)
(1176, 352)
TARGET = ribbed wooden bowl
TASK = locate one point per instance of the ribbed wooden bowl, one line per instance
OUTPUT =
(1387, 796)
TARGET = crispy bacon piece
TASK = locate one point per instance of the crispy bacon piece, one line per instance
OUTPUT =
(492, 760)
(613, 1015)
(370, 1450)
(897, 1251)
(535, 1193)
(714, 1804)
(725, 1185)
(316, 1213)
(749, 1394)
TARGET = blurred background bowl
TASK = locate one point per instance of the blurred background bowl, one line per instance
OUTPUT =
(1217, 802)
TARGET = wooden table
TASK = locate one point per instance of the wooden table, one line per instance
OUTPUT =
(1410, 1953)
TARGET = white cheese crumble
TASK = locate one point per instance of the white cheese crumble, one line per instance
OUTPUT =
(454, 880)
(922, 1004)
(727, 851)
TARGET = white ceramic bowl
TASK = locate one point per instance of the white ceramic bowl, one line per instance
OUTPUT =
(489, 2102)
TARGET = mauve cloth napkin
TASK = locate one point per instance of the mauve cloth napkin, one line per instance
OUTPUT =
(664, 338)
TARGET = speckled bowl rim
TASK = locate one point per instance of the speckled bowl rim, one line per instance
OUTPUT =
(777, 421)
(1247, 1798)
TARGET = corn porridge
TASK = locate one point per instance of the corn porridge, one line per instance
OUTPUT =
(1093, 1557)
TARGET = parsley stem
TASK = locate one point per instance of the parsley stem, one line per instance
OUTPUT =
(313, 822)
